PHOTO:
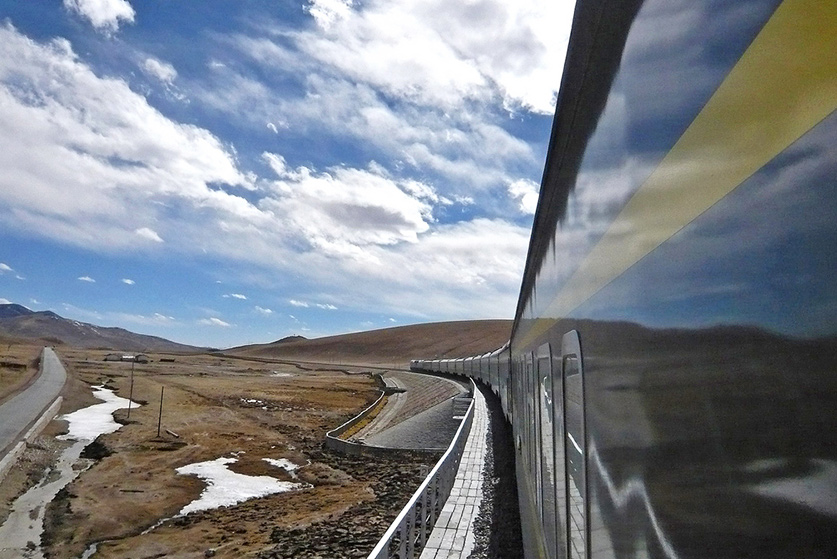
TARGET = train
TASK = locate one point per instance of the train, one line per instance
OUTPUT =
(671, 377)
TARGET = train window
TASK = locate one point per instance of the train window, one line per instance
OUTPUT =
(548, 477)
(575, 446)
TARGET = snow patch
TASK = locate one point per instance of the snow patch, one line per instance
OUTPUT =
(88, 423)
(285, 464)
(225, 488)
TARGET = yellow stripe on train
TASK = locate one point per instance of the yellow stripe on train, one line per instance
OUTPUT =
(781, 87)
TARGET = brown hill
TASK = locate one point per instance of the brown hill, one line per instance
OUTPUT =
(391, 345)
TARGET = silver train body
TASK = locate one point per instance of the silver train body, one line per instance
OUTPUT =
(671, 378)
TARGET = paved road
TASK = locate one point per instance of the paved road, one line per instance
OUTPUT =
(19, 412)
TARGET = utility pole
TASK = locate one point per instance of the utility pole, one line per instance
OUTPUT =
(131, 391)
(160, 416)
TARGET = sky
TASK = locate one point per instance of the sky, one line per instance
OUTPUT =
(223, 173)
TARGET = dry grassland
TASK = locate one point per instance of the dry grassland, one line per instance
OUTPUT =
(216, 406)
(18, 366)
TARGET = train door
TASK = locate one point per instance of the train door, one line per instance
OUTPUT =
(536, 451)
(575, 448)
(547, 434)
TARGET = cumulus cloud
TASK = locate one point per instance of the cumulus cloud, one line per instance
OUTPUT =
(264, 311)
(84, 152)
(163, 71)
(345, 209)
(105, 15)
(443, 53)
(88, 279)
(127, 281)
(214, 322)
(235, 296)
(526, 194)
(5, 268)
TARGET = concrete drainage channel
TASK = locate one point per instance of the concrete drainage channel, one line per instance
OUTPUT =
(410, 530)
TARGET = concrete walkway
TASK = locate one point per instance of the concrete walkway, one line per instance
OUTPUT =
(453, 535)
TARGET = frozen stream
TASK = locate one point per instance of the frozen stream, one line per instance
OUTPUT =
(20, 535)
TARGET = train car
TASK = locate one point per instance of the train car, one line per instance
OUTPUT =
(674, 353)
(672, 373)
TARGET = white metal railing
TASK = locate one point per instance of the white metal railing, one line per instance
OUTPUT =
(408, 533)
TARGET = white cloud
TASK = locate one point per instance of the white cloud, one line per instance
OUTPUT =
(4, 301)
(105, 15)
(327, 12)
(149, 234)
(84, 153)
(163, 71)
(526, 194)
(343, 210)
(464, 146)
(127, 281)
(88, 279)
(235, 296)
(101, 180)
(214, 322)
(304, 304)
(262, 310)
(443, 53)
(5, 268)
(157, 319)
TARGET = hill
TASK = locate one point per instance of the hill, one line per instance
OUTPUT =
(19, 322)
(390, 345)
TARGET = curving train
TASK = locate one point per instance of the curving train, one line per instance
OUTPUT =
(671, 376)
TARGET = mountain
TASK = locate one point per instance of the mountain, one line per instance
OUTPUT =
(389, 345)
(287, 339)
(17, 321)
(12, 310)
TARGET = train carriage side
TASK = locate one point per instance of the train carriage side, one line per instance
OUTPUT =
(673, 383)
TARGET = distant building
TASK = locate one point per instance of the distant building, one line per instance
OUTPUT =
(139, 358)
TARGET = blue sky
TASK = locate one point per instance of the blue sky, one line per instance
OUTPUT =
(221, 173)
